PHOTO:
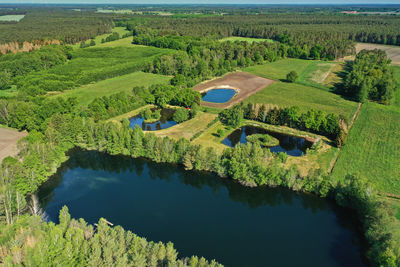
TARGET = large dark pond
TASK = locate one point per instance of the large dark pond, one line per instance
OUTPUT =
(203, 214)
(219, 95)
(291, 145)
(165, 121)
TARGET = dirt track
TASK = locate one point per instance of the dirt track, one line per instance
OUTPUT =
(244, 83)
(8, 142)
(393, 52)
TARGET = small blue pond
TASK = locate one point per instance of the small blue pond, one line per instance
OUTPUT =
(165, 121)
(219, 95)
(291, 145)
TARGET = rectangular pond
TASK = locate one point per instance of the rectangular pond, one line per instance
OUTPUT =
(164, 122)
(291, 145)
(203, 214)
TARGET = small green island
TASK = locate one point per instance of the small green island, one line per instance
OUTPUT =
(263, 140)
(151, 115)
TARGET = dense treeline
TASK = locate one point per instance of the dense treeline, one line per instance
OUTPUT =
(72, 242)
(315, 121)
(370, 77)
(55, 23)
(332, 31)
(20, 64)
(202, 58)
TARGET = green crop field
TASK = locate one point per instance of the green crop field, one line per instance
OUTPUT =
(373, 148)
(92, 65)
(291, 94)
(125, 83)
(246, 39)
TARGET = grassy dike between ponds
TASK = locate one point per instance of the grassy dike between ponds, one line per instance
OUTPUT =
(245, 164)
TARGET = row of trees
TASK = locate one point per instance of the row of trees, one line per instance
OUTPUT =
(162, 95)
(315, 121)
(370, 78)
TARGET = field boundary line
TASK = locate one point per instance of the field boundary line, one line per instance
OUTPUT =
(353, 120)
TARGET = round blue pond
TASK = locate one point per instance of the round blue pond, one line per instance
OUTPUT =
(291, 145)
(219, 95)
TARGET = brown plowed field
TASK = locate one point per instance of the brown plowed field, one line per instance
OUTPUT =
(8, 142)
(244, 83)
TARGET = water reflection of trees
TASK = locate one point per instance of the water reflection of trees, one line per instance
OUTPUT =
(251, 197)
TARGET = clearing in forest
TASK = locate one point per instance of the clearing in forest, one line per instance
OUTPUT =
(393, 52)
(246, 39)
(8, 142)
(245, 84)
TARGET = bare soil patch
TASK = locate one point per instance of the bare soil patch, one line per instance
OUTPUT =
(244, 83)
(393, 52)
(8, 142)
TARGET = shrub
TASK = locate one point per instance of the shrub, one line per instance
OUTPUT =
(181, 115)
(220, 132)
(292, 76)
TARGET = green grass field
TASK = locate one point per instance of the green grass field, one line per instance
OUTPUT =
(396, 73)
(315, 74)
(97, 39)
(373, 148)
(11, 17)
(8, 92)
(311, 72)
(124, 42)
(125, 83)
(285, 94)
(246, 39)
(277, 70)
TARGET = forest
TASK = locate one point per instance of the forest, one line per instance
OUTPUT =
(185, 48)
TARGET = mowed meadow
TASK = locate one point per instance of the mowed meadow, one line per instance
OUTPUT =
(309, 91)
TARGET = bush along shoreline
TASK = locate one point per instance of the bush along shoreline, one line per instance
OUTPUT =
(248, 164)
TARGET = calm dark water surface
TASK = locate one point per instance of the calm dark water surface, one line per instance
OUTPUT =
(203, 214)
(165, 121)
(291, 145)
(219, 95)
